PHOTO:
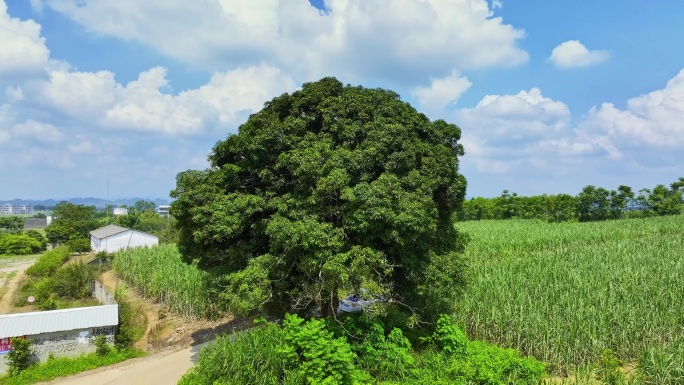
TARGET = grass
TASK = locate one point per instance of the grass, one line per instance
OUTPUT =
(65, 366)
(10, 257)
(159, 274)
(563, 292)
(5, 286)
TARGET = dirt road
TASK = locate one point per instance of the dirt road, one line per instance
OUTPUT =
(8, 266)
(159, 369)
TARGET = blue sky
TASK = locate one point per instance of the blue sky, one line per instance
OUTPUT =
(550, 95)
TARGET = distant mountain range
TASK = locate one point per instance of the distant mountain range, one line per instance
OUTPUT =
(97, 202)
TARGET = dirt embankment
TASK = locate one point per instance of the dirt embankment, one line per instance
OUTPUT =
(167, 331)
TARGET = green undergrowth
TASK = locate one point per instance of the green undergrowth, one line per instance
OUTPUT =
(358, 351)
(65, 366)
(49, 262)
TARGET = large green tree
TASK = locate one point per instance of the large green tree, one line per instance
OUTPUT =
(324, 191)
(71, 221)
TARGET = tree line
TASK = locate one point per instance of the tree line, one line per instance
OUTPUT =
(591, 204)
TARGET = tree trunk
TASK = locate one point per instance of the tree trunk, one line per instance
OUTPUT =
(329, 304)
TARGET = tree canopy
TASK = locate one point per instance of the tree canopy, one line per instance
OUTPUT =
(71, 222)
(324, 191)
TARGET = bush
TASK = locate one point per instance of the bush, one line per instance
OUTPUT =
(309, 353)
(101, 345)
(319, 356)
(73, 280)
(132, 321)
(79, 244)
(38, 237)
(246, 358)
(49, 262)
(19, 244)
(20, 356)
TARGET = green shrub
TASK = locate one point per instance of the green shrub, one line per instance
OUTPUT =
(49, 262)
(385, 357)
(79, 244)
(20, 356)
(19, 244)
(609, 368)
(320, 357)
(302, 352)
(41, 289)
(38, 237)
(132, 321)
(101, 346)
(245, 358)
(449, 338)
(49, 304)
(73, 280)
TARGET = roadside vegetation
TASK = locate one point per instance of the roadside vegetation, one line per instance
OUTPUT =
(323, 352)
(54, 285)
(566, 292)
(64, 366)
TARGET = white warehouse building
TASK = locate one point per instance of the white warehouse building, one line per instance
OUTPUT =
(113, 238)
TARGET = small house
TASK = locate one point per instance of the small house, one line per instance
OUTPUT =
(113, 238)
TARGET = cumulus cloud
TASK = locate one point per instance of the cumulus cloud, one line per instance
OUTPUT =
(146, 105)
(22, 49)
(653, 120)
(43, 132)
(502, 133)
(525, 116)
(431, 36)
(527, 131)
(442, 92)
(572, 53)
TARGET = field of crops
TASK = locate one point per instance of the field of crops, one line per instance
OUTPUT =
(565, 291)
(159, 274)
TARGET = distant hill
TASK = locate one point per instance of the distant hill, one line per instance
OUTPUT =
(97, 202)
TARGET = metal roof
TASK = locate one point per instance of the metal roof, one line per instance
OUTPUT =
(108, 231)
(26, 324)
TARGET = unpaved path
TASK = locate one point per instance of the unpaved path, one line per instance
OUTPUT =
(159, 369)
(8, 266)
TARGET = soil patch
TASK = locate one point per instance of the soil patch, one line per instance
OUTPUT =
(11, 285)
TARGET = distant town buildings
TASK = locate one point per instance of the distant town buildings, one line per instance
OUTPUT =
(120, 211)
(163, 210)
(10, 209)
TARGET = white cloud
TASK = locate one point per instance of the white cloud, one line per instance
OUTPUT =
(572, 53)
(442, 92)
(14, 94)
(43, 132)
(653, 120)
(22, 49)
(517, 133)
(145, 104)
(497, 4)
(84, 146)
(526, 116)
(352, 38)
